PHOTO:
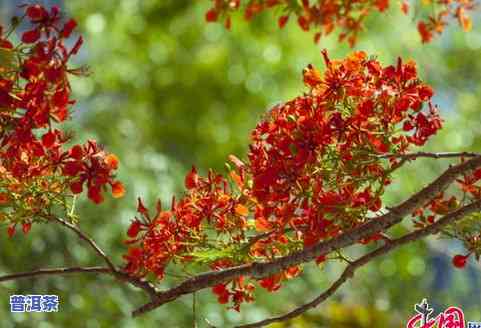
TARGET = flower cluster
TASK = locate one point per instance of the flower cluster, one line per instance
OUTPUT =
(315, 169)
(180, 233)
(467, 230)
(314, 160)
(325, 16)
(435, 23)
(37, 171)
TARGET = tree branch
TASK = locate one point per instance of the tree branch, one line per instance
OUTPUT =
(87, 239)
(55, 271)
(151, 291)
(353, 266)
(412, 156)
(431, 155)
(137, 282)
(264, 269)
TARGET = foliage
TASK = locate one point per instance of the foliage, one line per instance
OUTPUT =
(348, 16)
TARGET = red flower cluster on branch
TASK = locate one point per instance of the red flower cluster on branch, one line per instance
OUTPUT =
(325, 16)
(37, 171)
(313, 160)
(317, 165)
(314, 171)
(175, 235)
(435, 23)
(468, 231)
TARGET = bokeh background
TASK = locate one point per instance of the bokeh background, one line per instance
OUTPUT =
(167, 91)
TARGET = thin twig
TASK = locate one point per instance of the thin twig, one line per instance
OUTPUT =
(353, 266)
(111, 269)
(430, 155)
(412, 156)
(89, 240)
(138, 282)
(55, 271)
(194, 313)
(151, 291)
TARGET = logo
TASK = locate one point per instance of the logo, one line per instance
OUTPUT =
(34, 303)
(452, 317)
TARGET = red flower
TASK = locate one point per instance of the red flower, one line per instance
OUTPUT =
(134, 260)
(77, 46)
(94, 193)
(312, 77)
(211, 15)
(134, 229)
(68, 28)
(271, 283)
(5, 44)
(382, 5)
(407, 126)
(76, 152)
(241, 210)
(141, 208)
(460, 261)
(112, 161)
(73, 168)
(222, 293)
(366, 108)
(303, 23)
(76, 187)
(321, 259)
(228, 23)
(36, 13)
(283, 21)
(31, 36)
(26, 227)
(191, 178)
(252, 9)
(405, 7)
(11, 230)
(118, 189)
(425, 32)
(48, 139)
(477, 174)
(425, 92)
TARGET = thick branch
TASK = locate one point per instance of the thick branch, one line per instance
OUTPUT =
(55, 271)
(353, 266)
(265, 269)
(137, 282)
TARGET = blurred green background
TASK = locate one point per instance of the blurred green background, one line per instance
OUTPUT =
(168, 91)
